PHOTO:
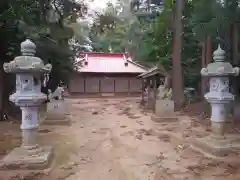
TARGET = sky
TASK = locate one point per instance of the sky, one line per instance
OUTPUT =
(95, 6)
(99, 5)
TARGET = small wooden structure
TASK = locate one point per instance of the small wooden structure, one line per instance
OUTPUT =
(151, 80)
(106, 74)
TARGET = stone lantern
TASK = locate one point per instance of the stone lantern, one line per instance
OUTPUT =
(28, 97)
(219, 96)
(222, 141)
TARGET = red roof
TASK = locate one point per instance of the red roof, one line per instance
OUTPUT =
(96, 62)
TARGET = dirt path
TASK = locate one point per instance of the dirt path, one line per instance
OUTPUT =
(114, 140)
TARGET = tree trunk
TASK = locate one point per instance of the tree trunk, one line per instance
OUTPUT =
(1, 95)
(209, 50)
(208, 59)
(178, 93)
(203, 79)
(234, 58)
(235, 43)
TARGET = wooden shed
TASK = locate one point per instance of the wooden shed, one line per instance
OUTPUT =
(151, 80)
(106, 74)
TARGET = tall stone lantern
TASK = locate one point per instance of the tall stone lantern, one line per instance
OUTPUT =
(219, 96)
(222, 141)
(28, 97)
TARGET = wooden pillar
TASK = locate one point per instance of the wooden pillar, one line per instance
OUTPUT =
(84, 84)
(155, 92)
(152, 93)
(129, 81)
(142, 90)
(114, 85)
(99, 84)
(148, 93)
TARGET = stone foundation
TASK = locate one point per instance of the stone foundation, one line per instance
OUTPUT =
(164, 106)
(65, 121)
(56, 113)
(164, 111)
(163, 119)
(217, 145)
(21, 158)
(221, 148)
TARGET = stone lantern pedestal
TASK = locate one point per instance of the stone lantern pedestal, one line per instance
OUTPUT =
(222, 141)
(56, 113)
(164, 106)
(28, 97)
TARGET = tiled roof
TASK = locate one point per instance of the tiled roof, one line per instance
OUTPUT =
(153, 71)
(108, 63)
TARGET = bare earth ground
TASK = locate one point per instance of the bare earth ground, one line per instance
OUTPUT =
(112, 139)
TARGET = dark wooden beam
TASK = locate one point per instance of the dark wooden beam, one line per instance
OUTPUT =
(114, 85)
(84, 83)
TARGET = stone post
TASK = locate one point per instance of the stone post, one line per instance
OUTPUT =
(28, 97)
(219, 95)
(164, 105)
(56, 108)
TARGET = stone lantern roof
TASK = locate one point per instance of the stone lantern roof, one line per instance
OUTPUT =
(28, 48)
(28, 62)
(219, 67)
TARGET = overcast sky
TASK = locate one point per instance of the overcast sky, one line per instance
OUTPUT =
(99, 5)
(95, 6)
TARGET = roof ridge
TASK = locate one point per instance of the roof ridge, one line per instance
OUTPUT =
(137, 64)
(103, 53)
(106, 63)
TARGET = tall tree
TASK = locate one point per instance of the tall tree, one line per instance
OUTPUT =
(46, 22)
(178, 93)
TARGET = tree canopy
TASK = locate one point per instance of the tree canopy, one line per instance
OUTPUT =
(149, 37)
(50, 24)
(145, 29)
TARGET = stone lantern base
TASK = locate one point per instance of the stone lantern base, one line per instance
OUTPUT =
(223, 148)
(221, 143)
(20, 158)
(218, 145)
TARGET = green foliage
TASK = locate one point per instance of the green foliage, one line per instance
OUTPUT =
(150, 42)
(50, 24)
